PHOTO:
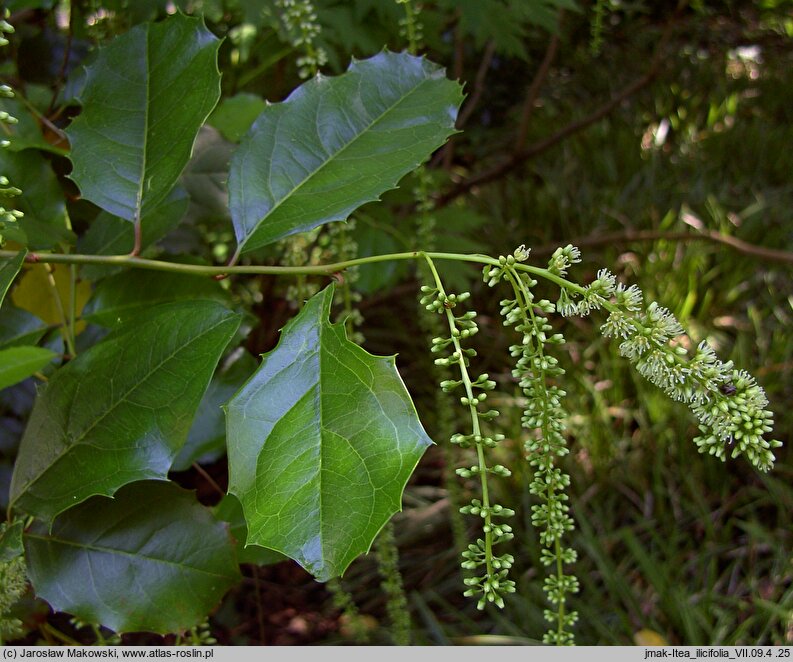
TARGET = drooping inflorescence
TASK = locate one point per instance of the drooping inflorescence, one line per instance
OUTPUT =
(491, 582)
(729, 404)
(536, 372)
(302, 27)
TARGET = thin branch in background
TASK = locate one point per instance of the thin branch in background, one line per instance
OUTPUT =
(459, 65)
(211, 481)
(519, 157)
(631, 236)
(470, 105)
(479, 85)
(534, 91)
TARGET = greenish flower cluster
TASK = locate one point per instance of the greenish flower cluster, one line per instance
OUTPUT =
(302, 27)
(397, 603)
(491, 582)
(545, 415)
(410, 27)
(730, 406)
(8, 217)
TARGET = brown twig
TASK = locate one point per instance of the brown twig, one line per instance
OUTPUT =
(534, 91)
(630, 236)
(447, 155)
(67, 52)
(517, 158)
(447, 152)
(205, 475)
(479, 85)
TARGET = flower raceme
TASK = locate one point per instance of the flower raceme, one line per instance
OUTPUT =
(730, 406)
(728, 403)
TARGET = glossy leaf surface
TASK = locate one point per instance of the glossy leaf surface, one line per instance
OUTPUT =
(145, 97)
(337, 143)
(321, 442)
(18, 363)
(120, 411)
(150, 559)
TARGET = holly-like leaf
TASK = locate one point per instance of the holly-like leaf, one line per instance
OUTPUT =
(121, 410)
(337, 143)
(321, 442)
(150, 559)
(144, 99)
(18, 363)
(9, 268)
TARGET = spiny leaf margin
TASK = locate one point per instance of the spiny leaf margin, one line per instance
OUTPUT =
(337, 143)
(321, 441)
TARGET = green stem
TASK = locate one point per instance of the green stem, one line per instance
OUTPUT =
(476, 430)
(525, 303)
(314, 270)
(410, 25)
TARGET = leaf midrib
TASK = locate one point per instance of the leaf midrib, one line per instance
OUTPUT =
(333, 156)
(144, 146)
(121, 552)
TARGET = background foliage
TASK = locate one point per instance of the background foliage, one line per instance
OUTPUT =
(653, 135)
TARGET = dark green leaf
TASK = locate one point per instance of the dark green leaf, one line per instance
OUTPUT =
(229, 510)
(206, 440)
(19, 327)
(206, 175)
(150, 559)
(234, 116)
(123, 297)
(18, 363)
(321, 442)
(145, 97)
(120, 411)
(9, 268)
(10, 540)
(337, 143)
(42, 201)
(111, 235)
